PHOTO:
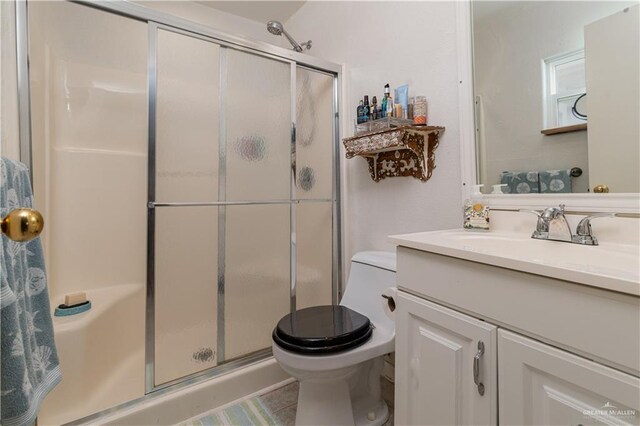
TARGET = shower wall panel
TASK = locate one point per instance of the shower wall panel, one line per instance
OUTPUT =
(88, 76)
(89, 114)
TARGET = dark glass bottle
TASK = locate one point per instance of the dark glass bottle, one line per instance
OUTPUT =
(367, 108)
(374, 108)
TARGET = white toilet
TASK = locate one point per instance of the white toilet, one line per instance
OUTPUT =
(336, 351)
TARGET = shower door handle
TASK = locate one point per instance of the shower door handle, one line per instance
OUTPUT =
(22, 224)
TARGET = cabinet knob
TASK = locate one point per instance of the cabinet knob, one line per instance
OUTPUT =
(601, 189)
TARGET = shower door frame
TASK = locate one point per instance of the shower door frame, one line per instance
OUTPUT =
(161, 21)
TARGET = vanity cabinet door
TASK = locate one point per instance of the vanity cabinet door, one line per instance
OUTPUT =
(542, 385)
(435, 352)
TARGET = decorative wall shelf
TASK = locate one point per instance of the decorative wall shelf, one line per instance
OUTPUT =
(398, 151)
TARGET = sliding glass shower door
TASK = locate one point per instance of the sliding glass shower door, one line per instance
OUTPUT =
(241, 201)
(187, 119)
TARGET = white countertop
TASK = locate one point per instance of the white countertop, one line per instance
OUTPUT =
(614, 267)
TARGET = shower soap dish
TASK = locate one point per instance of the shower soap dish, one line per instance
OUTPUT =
(74, 304)
(65, 311)
(397, 151)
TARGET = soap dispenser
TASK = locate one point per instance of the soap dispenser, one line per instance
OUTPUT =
(497, 189)
(476, 211)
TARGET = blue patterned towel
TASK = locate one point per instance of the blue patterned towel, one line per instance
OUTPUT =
(29, 363)
(555, 181)
(520, 182)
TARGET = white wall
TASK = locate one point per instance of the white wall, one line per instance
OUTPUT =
(509, 45)
(396, 43)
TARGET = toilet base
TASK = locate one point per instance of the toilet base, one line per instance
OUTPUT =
(330, 404)
(347, 396)
(324, 404)
(363, 413)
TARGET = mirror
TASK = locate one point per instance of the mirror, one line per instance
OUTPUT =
(557, 95)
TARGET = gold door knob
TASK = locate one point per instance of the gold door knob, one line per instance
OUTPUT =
(601, 189)
(22, 224)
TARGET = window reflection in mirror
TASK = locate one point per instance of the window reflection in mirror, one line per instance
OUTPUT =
(557, 92)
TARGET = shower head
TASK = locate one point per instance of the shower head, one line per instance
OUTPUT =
(276, 28)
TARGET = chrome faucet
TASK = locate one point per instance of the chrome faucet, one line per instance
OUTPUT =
(553, 225)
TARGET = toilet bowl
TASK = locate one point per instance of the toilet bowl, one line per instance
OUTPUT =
(336, 352)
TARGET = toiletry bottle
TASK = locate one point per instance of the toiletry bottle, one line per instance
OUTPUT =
(367, 110)
(497, 189)
(476, 211)
(410, 109)
(360, 113)
(383, 108)
(397, 111)
(374, 108)
(385, 99)
(389, 101)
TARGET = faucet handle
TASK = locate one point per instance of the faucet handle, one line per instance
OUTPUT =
(551, 213)
(542, 226)
(584, 234)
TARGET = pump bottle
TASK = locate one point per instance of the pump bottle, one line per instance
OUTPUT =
(476, 211)
(497, 189)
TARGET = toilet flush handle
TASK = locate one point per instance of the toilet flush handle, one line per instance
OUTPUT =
(390, 302)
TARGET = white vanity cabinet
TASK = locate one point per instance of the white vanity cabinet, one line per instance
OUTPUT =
(555, 352)
(445, 366)
(542, 385)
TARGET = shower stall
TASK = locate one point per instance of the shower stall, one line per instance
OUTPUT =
(190, 183)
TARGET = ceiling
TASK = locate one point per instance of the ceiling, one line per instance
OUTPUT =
(261, 11)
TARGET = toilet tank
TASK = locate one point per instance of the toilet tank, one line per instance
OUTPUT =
(371, 273)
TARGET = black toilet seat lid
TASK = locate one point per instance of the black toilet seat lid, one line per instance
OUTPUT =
(322, 329)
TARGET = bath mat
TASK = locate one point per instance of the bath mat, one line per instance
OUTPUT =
(250, 412)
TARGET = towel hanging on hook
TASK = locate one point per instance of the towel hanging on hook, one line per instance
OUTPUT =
(30, 360)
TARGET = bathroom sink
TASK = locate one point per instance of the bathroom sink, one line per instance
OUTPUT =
(611, 266)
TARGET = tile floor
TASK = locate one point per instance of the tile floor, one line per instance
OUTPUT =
(282, 403)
